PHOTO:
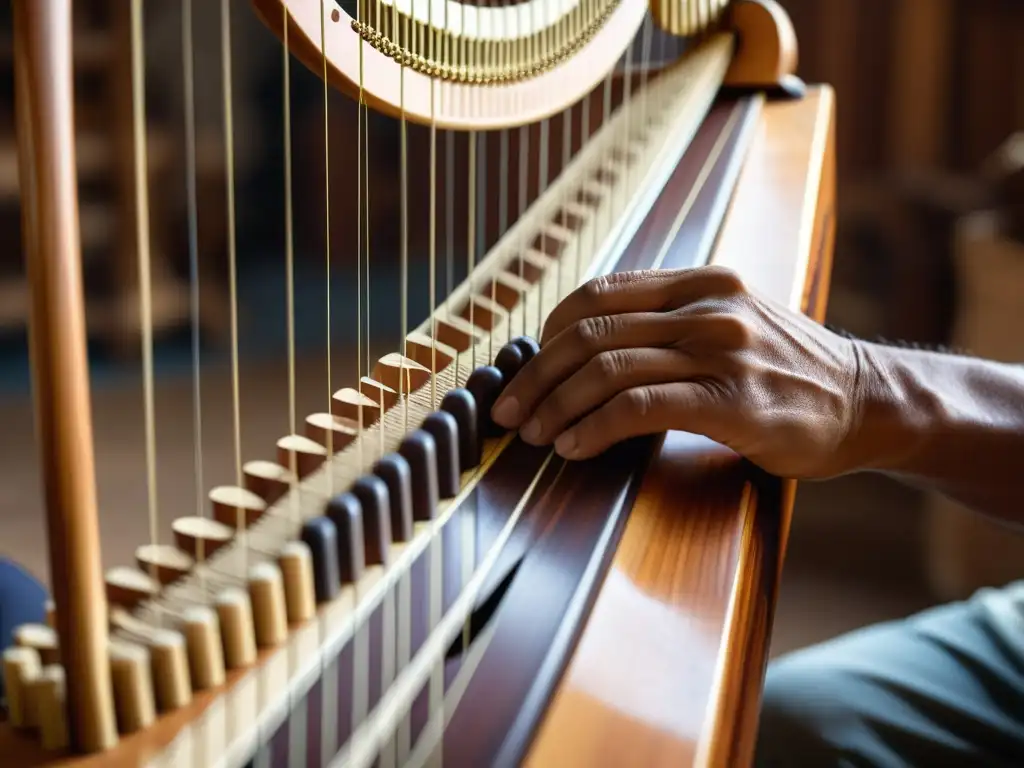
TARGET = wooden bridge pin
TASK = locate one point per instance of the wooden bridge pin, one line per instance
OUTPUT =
(205, 648)
(485, 384)
(372, 493)
(420, 450)
(300, 454)
(461, 405)
(234, 610)
(320, 535)
(200, 537)
(443, 427)
(236, 507)
(133, 686)
(345, 511)
(269, 612)
(21, 665)
(394, 470)
(172, 681)
(163, 562)
(296, 563)
(267, 479)
(129, 586)
(46, 692)
(42, 639)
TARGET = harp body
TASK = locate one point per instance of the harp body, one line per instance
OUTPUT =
(614, 611)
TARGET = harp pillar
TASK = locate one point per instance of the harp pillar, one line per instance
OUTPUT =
(49, 199)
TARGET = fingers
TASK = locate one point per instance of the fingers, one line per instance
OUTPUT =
(641, 291)
(571, 350)
(601, 379)
(639, 411)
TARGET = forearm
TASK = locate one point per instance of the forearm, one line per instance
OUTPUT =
(954, 424)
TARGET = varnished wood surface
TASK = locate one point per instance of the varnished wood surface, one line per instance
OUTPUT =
(60, 376)
(572, 532)
(668, 669)
(709, 471)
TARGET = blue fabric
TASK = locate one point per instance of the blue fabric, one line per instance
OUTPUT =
(942, 688)
(22, 601)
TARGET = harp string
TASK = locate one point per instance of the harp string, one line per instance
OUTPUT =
(289, 254)
(229, 155)
(327, 229)
(188, 76)
(144, 266)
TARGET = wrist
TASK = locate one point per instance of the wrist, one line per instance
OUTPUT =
(894, 409)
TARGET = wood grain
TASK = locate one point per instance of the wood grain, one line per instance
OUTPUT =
(46, 153)
(668, 669)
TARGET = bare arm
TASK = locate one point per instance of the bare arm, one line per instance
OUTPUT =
(946, 422)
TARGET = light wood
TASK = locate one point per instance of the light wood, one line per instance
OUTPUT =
(358, 68)
(328, 429)
(45, 124)
(296, 563)
(268, 480)
(162, 562)
(400, 373)
(234, 610)
(133, 686)
(129, 586)
(299, 453)
(269, 611)
(200, 537)
(675, 609)
(40, 638)
(46, 691)
(766, 54)
(21, 666)
(205, 652)
(171, 681)
(347, 403)
(233, 506)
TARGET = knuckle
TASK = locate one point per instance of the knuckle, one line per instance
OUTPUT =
(610, 365)
(727, 280)
(637, 403)
(735, 331)
(591, 331)
(596, 289)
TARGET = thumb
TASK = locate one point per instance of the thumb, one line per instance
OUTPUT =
(683, 405)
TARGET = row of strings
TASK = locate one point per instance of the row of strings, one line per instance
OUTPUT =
(442, 185)
(479, 198)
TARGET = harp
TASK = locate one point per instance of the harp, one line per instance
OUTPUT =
(396, 582)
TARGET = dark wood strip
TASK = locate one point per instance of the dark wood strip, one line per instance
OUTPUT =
(574, 529)
(650, 235)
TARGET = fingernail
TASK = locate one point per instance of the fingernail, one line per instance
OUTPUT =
(531, 432)
(506, 411)
(565, 445)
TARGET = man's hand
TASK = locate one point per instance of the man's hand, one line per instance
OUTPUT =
(642, 352)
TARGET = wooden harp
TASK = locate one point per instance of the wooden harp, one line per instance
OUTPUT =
(397, 582)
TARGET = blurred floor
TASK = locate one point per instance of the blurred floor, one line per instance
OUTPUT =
(844, 569)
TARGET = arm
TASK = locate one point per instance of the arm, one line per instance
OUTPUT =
(693, 350)
(950, 423)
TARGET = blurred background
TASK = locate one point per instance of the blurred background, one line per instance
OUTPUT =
(930, 250)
